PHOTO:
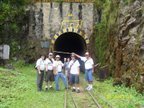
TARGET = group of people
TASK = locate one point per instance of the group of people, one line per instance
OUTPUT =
(52, 69)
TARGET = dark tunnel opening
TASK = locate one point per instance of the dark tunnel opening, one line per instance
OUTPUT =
(70, 42)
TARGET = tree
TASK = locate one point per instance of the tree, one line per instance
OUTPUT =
(13, 19)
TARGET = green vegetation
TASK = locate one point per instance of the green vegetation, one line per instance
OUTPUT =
(18, 90)
(118, 96)
(18, 87)
(13, 23)
(108, 10)
(110, 45)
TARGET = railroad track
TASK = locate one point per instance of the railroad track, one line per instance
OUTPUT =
(92, 94)
(103, 98)
(67, 92)
(74, 102)
(65, 100)
(92, 97)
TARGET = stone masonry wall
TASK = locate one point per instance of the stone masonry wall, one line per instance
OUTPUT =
(48, 17)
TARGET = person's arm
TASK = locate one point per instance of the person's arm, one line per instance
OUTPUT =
(62, 64)
(82, 58)
(38, 66)
(92, 65)
(54, 69)
(78, 64)
(78, 70)
(46, 65)
(93, 69)
(76, 55)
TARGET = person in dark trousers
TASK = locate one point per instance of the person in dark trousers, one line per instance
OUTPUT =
(67, 73)
(49, 76)
(40, 66)
(89, 69)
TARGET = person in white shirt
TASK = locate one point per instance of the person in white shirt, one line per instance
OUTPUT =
(49, 76)
(40, 66)
(89, 69)
(58, 65)
(74, 68)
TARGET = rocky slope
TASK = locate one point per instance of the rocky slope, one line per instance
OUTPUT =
(127, 46)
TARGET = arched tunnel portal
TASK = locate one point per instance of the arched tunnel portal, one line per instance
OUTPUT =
(70, 42)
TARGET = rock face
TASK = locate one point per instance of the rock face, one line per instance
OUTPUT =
(129, 43)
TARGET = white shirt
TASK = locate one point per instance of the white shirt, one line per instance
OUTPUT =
(49, 64)
(58, 65)
(88, 62)
(75, 66)
(40, 63)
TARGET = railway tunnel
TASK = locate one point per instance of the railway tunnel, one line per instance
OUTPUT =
(70, 42)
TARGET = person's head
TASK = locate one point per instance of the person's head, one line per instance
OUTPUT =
(68, 59)
(65, 59)
(42, 57)
(72, 56)
(87, 55)
(57, 57)
(50, 55)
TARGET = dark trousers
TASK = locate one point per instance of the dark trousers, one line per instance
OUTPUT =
(40, 78)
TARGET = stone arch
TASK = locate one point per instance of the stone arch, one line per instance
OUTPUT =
(70, 29)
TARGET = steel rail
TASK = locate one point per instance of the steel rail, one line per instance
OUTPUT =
(65, 101)
(102, 97)
(94, 99)
(73, 100)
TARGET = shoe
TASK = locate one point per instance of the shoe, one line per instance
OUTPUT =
(46, 89)
(66, 88)
(78, 91)
(73, 90)
(90, 88)
(87, 88)
(50, 87)
(39, 90)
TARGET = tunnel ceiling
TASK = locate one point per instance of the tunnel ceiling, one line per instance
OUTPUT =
(70, 42)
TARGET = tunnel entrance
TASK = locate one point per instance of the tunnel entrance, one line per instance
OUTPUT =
(70, 42)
